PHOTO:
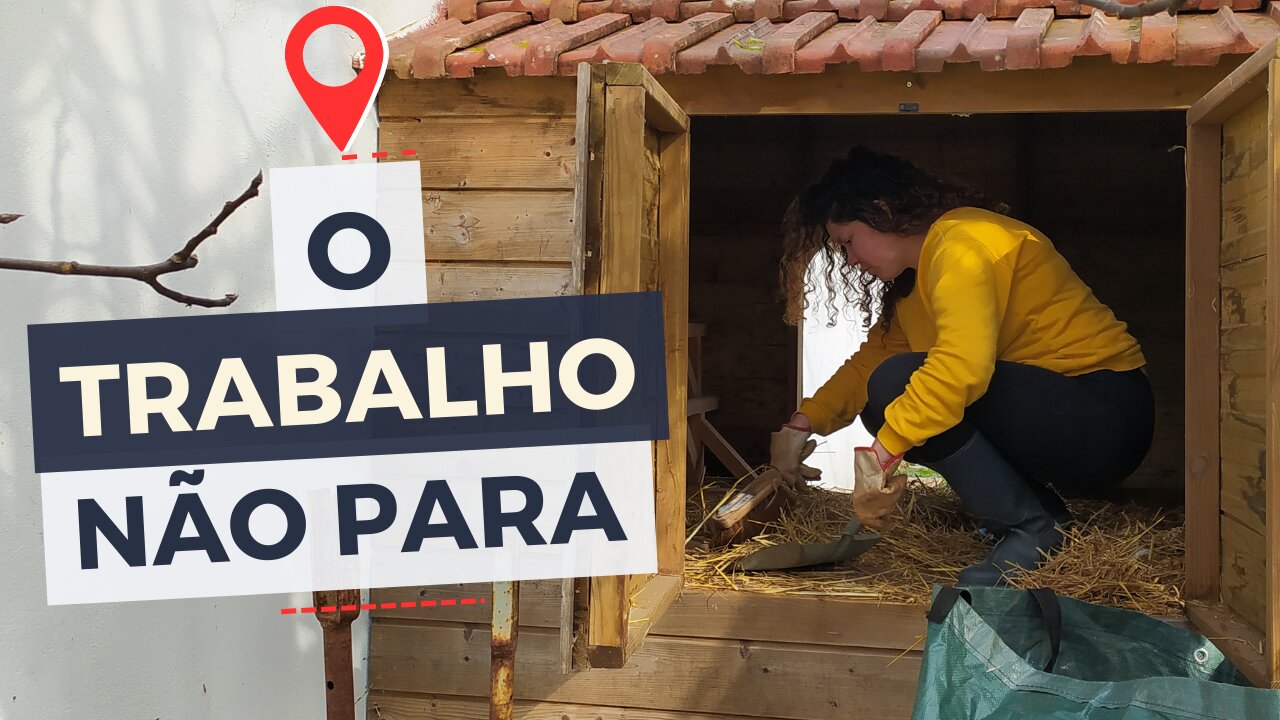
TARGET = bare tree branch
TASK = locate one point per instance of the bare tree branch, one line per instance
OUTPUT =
(184, 259)
(1126, 11)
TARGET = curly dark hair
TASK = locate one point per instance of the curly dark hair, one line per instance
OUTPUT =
(886, 192)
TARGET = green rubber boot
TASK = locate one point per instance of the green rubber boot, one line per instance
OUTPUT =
(1007, 504)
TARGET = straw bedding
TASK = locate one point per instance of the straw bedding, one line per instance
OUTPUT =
(1121, 555)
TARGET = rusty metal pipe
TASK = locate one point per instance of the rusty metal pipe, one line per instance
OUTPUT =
(339, 667)
(502, 649)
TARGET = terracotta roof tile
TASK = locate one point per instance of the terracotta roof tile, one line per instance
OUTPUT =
(779, 55)
(828, 32)
(786, 10)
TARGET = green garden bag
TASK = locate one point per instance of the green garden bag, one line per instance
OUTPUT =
(997, 653)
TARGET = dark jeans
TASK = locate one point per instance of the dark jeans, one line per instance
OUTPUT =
(1080, 434)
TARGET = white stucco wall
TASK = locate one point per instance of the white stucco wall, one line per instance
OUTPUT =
(124, 126)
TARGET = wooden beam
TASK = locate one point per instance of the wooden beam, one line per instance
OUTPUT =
(650, 605)
(1087, 85)
(623, 211)
(661, 110)
(670, 674)
(434, 707)
(673, 279)
(567, 604)
(582, 140)
(1272, 550)
(593, 210)
(1204, 218)
(715, 442)
(1242, 644)
(702, 404)
(607, 620)
(696, 613)
(1241, 87)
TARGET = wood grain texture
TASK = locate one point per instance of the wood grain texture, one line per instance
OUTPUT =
(457, 282)
(1244, 471)
(1244, 184)
(623, 206)
(808, 620)
(482, 95)
(582, 161)
(487, 152)
(1271, 537)
(1244, 579)
(671, 157)
(607, 617)
(1242, 644)
(1202, 379)
(1088, 84)
(390, 706)
(1245, 83)
(489, 225)
(666, 674)
(1243, 305)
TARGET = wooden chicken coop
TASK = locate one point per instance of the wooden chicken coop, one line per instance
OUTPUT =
(618, 145)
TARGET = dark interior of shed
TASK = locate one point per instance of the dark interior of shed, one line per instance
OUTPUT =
(1108, 190)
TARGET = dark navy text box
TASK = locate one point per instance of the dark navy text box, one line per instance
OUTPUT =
(347, 336)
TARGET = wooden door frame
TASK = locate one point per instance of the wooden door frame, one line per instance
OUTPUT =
(1256, 653)
(610, 619)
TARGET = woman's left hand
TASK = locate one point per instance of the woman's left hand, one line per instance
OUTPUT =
(876, 488)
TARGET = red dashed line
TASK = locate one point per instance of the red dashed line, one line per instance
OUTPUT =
(382, 154)
(385, 606)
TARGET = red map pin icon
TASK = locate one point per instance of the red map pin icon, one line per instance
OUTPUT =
(340, 109)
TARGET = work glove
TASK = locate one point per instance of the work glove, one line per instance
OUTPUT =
(876, 487)
(788, 449)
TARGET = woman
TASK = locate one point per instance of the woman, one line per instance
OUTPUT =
(991, 361)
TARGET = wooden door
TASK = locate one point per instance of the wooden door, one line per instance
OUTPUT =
(1233, 367)
(633, 141)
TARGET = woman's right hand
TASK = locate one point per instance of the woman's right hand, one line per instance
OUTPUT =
(788, 449)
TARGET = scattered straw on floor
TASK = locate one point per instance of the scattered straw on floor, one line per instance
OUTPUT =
(1120, 555)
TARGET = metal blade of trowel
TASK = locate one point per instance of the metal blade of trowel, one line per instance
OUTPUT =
(795, 555)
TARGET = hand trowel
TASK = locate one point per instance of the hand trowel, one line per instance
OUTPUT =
(796, 555)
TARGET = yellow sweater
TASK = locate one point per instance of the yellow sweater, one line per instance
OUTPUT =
(987, 288)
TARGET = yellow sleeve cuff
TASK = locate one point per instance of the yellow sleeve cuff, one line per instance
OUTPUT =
(892, 441)
(819, 418)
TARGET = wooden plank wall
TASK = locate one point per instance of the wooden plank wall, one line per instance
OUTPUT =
(498, 183)
(1107, 188)
(1242, 338)
(710, 657)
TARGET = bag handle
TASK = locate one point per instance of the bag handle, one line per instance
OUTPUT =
(1046, 600)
